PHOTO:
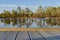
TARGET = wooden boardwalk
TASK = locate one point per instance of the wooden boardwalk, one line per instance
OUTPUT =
(32, 35)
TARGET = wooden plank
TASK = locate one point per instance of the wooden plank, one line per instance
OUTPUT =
(22, 36)
(48, 36)
(55, 34)
(30, 35)
(11, 36)
(3, 35)
(35, 36)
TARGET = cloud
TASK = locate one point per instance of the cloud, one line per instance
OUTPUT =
(12, 5)
(7, 5)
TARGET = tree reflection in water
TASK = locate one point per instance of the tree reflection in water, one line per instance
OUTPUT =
(29, 21)
(53, 22)
(6, 21)
(19, 22)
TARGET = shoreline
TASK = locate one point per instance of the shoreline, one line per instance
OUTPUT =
(29, 29)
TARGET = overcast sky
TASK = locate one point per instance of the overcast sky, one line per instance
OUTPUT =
(32, 4)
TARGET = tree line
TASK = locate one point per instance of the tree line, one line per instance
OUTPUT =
(41, 12)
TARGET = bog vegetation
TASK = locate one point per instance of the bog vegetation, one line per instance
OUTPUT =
(39, 13)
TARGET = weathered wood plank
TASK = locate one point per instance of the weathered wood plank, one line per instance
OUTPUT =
(22, 36)
(11, 36)
(55, 34)
(48, 36)
(35, 36)
(30, 35)
(3, 35)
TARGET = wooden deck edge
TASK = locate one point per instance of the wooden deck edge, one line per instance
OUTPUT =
(29, 29)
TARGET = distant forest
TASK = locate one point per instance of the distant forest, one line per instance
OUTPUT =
(41, 12)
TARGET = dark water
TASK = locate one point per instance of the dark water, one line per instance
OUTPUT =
(30, 23)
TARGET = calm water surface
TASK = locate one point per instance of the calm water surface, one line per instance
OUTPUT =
(30, 23)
